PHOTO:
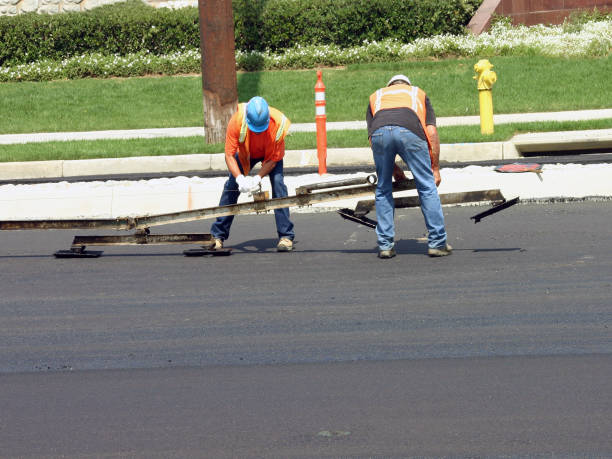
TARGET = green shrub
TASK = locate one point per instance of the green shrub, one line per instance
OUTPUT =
(134, 27)
(279, 24)
(120, 28)
(592, 39)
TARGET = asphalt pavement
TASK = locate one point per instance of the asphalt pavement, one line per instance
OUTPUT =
(512, 407)
(502, 349)
(533, 279)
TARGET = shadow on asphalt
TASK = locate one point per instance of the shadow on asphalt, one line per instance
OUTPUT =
(408, 246)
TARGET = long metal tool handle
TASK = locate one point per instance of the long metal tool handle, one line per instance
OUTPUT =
(110, 223)
(371, 179)
(495, 209)
(363, 207)
(271, 204)
(128, 223)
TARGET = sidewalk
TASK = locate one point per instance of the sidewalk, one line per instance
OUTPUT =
(515, 148)
(6, 139)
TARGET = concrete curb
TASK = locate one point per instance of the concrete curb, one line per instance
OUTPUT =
(216, 162)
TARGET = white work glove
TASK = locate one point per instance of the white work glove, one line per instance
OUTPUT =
(244, 183)
(256, 183)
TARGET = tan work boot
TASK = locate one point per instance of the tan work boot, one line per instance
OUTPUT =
(216, 244)
(390, 253)
(440, 252)
(284, 245)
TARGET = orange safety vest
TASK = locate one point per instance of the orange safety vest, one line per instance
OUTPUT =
(401, 96)
(281, 123)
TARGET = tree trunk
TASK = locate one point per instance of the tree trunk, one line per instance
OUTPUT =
(219, 88)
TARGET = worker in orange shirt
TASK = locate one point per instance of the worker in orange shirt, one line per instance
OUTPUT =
(255, 133)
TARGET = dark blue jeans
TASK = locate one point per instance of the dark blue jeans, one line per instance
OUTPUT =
(221, 228)
(387, 143)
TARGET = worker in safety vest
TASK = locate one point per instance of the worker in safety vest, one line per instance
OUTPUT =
(255, 133)
(401, 121)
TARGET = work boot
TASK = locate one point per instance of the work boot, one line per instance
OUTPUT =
(216, 244)
(440, 251)
(284, 245)
(390, 253)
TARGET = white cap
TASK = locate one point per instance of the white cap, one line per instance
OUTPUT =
(399, 77)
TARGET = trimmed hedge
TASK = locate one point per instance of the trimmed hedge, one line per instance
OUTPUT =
(120, 28)
(279, 24)
(133, 26)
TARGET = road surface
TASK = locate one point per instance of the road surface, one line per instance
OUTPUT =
(502, 349)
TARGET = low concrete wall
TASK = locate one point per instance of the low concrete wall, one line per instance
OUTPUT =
(530, 12)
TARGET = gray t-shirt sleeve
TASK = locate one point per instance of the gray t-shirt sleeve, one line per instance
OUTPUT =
(430, 115)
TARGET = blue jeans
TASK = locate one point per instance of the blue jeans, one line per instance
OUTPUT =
(387, 142)
(221, 228)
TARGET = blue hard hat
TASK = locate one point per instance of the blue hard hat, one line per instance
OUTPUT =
(257, 114)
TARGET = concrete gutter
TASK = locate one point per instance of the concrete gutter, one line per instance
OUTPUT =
(563, 141)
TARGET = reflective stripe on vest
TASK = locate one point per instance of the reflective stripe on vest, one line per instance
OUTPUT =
(243, 125)
(281, 128)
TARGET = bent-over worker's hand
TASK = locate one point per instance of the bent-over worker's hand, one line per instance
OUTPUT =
(398, 173)
(244, 183)
(437, 177)
(256, 183)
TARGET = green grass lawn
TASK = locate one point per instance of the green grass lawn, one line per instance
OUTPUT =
(524, 85)
(532, 84)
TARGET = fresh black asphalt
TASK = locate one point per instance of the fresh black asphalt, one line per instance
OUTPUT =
(503, 349)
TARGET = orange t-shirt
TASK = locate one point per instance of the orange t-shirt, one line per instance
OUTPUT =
(261, 145)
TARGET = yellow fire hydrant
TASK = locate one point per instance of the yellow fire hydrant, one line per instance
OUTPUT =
(486, 77)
